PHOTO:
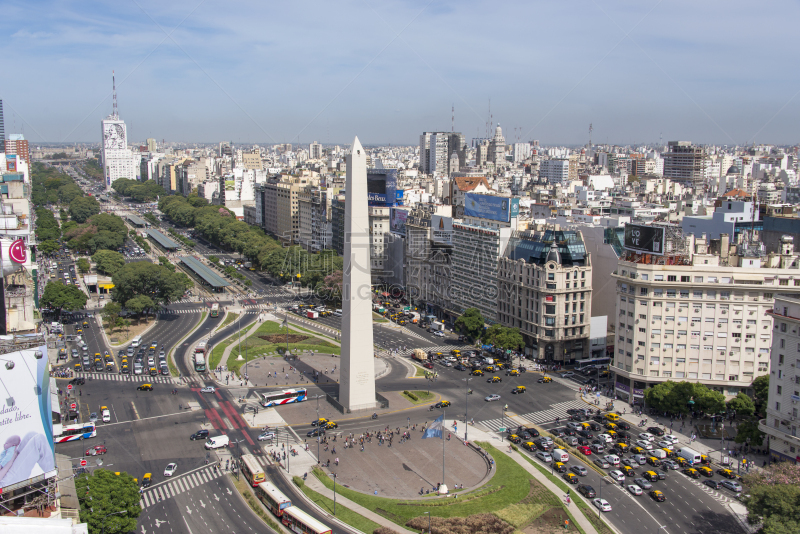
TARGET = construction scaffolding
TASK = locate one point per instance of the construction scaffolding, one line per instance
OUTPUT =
(676, 250)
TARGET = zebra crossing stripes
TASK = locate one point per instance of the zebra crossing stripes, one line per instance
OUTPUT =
(178, 485)
(714, 494)
(444, 349)
(160, 379)
(542, 416)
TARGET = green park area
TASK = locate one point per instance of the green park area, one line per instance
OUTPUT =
(270, 339)
(509, 502)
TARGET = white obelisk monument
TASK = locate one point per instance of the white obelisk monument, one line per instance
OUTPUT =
(357, 382)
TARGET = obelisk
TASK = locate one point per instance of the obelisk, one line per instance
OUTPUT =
(357, 378)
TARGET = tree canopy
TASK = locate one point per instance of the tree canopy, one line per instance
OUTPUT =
(471, 323)
(503, 337)
(761, 391)
(82, 208)
(146, 191)
(742, 404)
(108, 261)
(104, 231)
(104, 493)
(675, 397)
(157, 282)
(59, 296)
(775, 498)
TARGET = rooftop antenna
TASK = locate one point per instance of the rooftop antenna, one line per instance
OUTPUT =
(590, 135)
(114, 112)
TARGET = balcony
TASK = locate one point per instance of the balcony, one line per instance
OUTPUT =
(777, 433)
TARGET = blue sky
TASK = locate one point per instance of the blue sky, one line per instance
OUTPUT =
(255, 71)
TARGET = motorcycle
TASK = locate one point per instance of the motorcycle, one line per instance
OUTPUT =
(374, 416)
(469, 392)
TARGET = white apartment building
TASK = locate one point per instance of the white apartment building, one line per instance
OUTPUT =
(379, 224)
(555, 171)
(706, 320)
(782, 417)
(314, 206)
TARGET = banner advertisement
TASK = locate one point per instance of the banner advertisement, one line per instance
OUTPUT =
(501, 209)
(643, 238)
(442, 229)
(398, 220)
(26, 419)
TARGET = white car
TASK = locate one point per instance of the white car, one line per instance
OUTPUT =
(208, 389)
(648, 437)
(337, 313)
(605, 437)
(438, 333)
(602, 504)
(634, 489)
(170, 470)
(612, 459)
(106, 416)
(664, 444)
(645, 444)
(617, 475)
(672, 438)
(568, 374)
(266, 436)
(492, 397)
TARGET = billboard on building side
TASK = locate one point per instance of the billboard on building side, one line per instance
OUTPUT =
(26, 419)
(397, 221)
(501, 209)
(442, 229)
(643, 238)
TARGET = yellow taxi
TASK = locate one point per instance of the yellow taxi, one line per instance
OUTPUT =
(79, 331)
(145, 387)
(513, 438)
(691, 472)
(570, 477)
(330, 425)
(319, 422)
(652, 476)
(545, 380)
(704, 459)
(495, 379)
(499, 366)
(442, 404)
(628, 470)
(681, 461)
(652, 460)
(146, 480)
(559, 467)
(513, 372)
(456, 353)
(706, 471)
(623, 447)
(477, 372)
(638, 450)
(86, 324)
(613, 417)
(657, 496)
(519, 389)
(669, 453)
(489, 368)
(529, 445)
(727, 473)
(611, 426)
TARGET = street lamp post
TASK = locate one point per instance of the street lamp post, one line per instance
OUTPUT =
(319, 432)
(466, 409)
(429, 522)
(103, 521)
(502, 437)
(334, 494)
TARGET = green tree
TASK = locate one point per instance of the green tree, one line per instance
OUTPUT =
(63, 297)
(775, 498)
(143, 278)
(743, 405)
(84, 265)
(761, 391)
(140, 304)
(82, 208)
(111, 312)
(108, 261)
(48, 246)
(104, 493)
(470, 323)
(684, 397)
(749, 430)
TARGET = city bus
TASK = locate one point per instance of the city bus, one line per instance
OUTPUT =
(299, 521)
(272, 498)
(283, 397)
(74, 432)
(215, 309)
(594, 362)
(252, 470)
(199, 357)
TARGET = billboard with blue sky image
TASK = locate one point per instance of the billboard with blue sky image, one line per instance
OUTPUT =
(26, 420)
(501, 209)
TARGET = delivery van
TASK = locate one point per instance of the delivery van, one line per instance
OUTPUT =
(560, 455)
(217, 441)
(690, 455)
(136, 341)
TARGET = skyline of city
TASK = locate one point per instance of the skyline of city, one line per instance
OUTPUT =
(637, 73)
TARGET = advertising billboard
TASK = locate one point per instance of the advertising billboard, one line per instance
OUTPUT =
(501, 209)
(382, 187)
(442, 229)
(26, 419)
(397, 221)
(642, 238)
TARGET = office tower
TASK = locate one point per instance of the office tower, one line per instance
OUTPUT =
(315, 151)
(118, 160)
(357, 382)
(17, 144)
(554, 171)
(685, 163)
(436, 150)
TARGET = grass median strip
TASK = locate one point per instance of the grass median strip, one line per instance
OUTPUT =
(173, 369)
(418, 397)
(229, 318)
(252, 502)
(342, 513)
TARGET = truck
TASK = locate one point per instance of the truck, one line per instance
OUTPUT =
(691, 456)
(248, 265)
(419, 355)
(312, 314)
(414, 317)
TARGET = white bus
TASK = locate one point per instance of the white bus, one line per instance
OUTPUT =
(284, 397)
(272, 498)
(299, 521)
(74, 432)
(252, 470)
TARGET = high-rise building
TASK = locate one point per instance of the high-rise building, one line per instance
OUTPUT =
(315, 151)
(685, 163)
(693, 309)
(545, 284)
(781, 421)
(17, 144)
(152, 145)
(554, 171)
(428, 247)
(118, 160)
(315, 218)
(436, 149)
(2, 129)
(497, 147)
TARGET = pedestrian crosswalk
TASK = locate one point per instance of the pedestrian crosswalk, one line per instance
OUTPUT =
(160, 379)
(178, 485)
(444, 349)
(542, 416)
(253, 308)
